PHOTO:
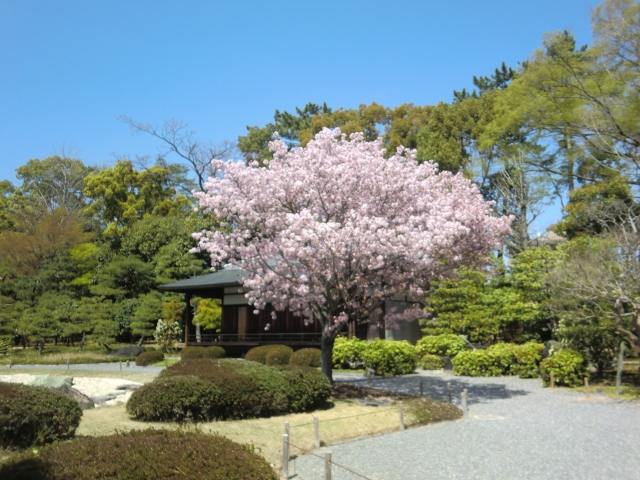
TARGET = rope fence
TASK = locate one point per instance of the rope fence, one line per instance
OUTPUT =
(328, 463)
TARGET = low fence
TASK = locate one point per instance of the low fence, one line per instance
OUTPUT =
(258, 338)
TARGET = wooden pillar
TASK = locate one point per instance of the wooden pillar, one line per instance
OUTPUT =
(187, 320)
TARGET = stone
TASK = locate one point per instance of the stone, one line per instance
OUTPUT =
(128, 387)
(84, 401)
(549, 346)
(447, 363)
(51, 381)
(127, 352)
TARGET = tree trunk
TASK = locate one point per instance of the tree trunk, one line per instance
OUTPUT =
(141, 341)
(326, 344)
(82, 341)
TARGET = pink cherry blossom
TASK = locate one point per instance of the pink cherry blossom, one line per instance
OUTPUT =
(333, 230)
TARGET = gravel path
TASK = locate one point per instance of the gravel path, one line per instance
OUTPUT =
(96, 367)
(515, 430)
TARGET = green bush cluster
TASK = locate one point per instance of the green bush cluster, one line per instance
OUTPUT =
(202, 352)
(205, 389)
(500, 359)
(30, 415)
(447, 345)
(568, 367)
(347, 353)
(278, 355)
(149, 358)
(431, 362)
(390, 357)
(140, 455)
(307, 357)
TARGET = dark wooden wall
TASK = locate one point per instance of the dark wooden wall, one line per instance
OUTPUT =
(285, 322)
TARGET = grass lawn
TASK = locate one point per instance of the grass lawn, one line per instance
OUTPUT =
(629, 386)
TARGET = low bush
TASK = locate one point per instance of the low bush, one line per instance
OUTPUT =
(431, 362)
(278, 355)
(307, 357)
(500, 359)
(389, 358)
(30, 415)
(568, 368)
(149, 358)
(202, 352)
(205, 389)
(307, 389)
(447, 345)
(347, 353)
(259, 354)
(141, 455)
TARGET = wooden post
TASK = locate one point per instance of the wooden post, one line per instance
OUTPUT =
(187, 319)
(316, 431)
(68, 364)
(286, 428)
(449, 390)
(10, 362)
(120, 365)
(327, 465)
(421, 388)
(551, 380)
(285, 456)
(401, 411)
(586, 387)
(465, 406)
(128, 365)
(368, 378)
(619, 373)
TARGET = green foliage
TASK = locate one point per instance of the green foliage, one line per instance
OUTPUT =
(568, 368)
(389, 358)
(205, 389)
(430, 362)
(30, 415)
(202, 352)
(278, 355)
(141, 455)
(259, 354)
(208, 313)
(448, 345)
(347, 353)
(500, 359)
(149, 358)
(306, 357)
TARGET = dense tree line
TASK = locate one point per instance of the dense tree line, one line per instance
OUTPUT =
(82, 249)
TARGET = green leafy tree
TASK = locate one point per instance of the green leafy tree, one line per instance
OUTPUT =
(208, 314)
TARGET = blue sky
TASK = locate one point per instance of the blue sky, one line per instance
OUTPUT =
(68, 68)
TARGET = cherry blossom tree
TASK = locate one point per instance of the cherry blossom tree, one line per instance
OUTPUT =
(333, 230)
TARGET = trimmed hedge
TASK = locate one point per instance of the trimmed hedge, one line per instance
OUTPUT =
(30, 415)
(141, 455)
(347, 353)
(307, 357)
(500, 359)
(389, 358)
(278, 355)
(259, 354)
(568, 367)
(447, 345)
(431, 362)
(149, 358)
(202, 352)
(205, 389)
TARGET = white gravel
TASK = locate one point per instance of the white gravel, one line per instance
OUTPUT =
(92, 387)
(516, 430)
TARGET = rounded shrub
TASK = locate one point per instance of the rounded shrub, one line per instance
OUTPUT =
(30, 415)
(307, 388)
(307, 357)
(202, 352)
(568, 368)
(204, 389)
(140, 455)
(259, 354)
(149, 358)
(500, 359)
(477, 363)
(528, 357)
(278, 355)
(447, 345)
(389, 358)
(431, 362)
(347, 353)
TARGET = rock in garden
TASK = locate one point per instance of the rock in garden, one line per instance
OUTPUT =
(84, 401)
(549, 346)
(51, 381)
(129, 387)
(127, 352)
(447, 363)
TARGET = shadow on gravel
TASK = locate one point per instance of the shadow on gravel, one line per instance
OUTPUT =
(437, 388)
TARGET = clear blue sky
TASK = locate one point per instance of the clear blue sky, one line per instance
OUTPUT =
(68, 68)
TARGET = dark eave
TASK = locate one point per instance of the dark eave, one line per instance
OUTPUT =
(202, 283)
